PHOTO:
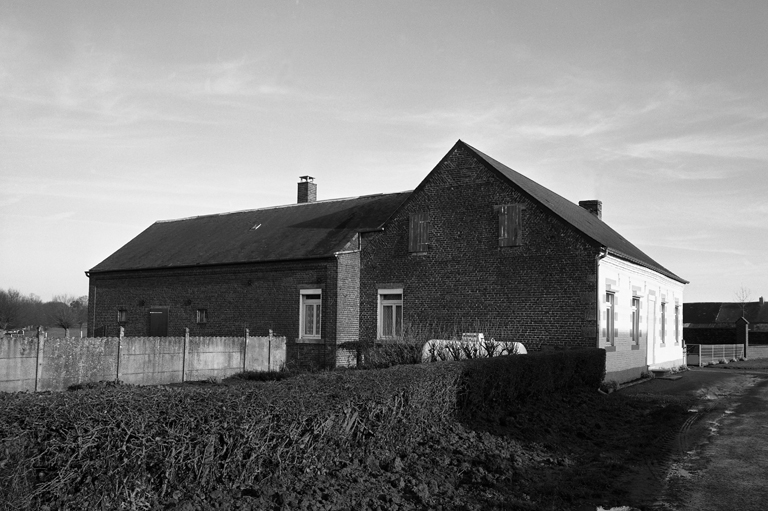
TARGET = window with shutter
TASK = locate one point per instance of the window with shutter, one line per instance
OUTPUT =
(510, 225)
(418, 233)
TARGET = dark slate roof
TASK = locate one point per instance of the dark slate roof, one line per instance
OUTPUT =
(297, 231)
(723, 313)
(581, 219)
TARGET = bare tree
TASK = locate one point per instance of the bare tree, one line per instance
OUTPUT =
(61, 314)
(742, 297)
(79, 309)
(11, 303)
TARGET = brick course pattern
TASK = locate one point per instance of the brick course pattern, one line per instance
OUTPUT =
(541, 293)
(260, 297)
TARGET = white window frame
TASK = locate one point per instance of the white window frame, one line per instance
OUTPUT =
(610, 318)
(389, 303)
(635, 307)
(677, 324)
(663, 322)
(317, 305)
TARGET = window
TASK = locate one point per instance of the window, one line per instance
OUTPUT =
(418, 232)
(310, 313)
(635, 332)
(122, 315)
(390, 313)
(677, 324)
(663, 322)
(510, 225)
(610, 332)
(202, 316)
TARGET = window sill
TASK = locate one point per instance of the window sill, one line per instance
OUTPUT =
(418, 253)
(610, 348)
(309, 340)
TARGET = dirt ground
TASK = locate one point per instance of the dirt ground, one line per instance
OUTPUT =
(721, 460)
(655, 445)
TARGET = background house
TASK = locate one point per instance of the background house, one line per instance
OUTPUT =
(714, 322)
(477, 247)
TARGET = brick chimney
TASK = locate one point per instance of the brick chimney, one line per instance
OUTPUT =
(593, 206)
(307, 189)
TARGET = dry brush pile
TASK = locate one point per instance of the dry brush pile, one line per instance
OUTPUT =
(142, 447)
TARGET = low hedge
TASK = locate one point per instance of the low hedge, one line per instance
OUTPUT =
(490, 386)
(135, 447)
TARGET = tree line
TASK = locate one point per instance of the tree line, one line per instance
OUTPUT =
(18, 311)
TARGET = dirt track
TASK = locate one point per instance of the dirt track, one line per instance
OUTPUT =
(720, 456)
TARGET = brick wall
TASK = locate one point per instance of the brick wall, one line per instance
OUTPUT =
(541, 293)
(348, 310)
(260, 297)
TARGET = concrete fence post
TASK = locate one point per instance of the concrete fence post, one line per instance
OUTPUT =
(184, 351)
(742, 333)
(120, 336)
(246, 339)
(40, 349)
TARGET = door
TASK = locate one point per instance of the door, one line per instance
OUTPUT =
(158, 322)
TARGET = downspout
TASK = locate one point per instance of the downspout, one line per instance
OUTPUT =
(93, 320)
(600, 256)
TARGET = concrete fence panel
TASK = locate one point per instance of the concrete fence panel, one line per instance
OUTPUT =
(277, 357)
(18, 363)
(151, 360)
(73, 360)
(214, 357)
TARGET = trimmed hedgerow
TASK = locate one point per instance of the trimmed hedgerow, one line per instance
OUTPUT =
(491, 386)
(138, 447)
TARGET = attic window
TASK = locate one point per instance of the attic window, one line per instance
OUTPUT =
(510, 225)
(418, 233)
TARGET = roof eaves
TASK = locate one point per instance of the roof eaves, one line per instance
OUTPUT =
(658, 269)
(209, 265)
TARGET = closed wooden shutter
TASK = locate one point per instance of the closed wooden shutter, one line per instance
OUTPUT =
(418, 233)
(510, 225)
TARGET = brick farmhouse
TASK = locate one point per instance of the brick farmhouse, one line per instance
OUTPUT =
(476, 247)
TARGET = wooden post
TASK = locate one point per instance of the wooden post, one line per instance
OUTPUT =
(184, 355)
(742, 333)
(119, 351)
(245, 349)
(40, 349)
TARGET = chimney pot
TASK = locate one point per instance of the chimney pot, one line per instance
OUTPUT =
(593, 206)
(307, 190)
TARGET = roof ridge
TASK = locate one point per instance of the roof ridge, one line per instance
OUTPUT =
(281, 206)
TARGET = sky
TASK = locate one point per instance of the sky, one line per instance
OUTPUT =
(114, 115)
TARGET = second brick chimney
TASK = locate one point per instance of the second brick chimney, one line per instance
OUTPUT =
(593, 206)
(307, 189)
